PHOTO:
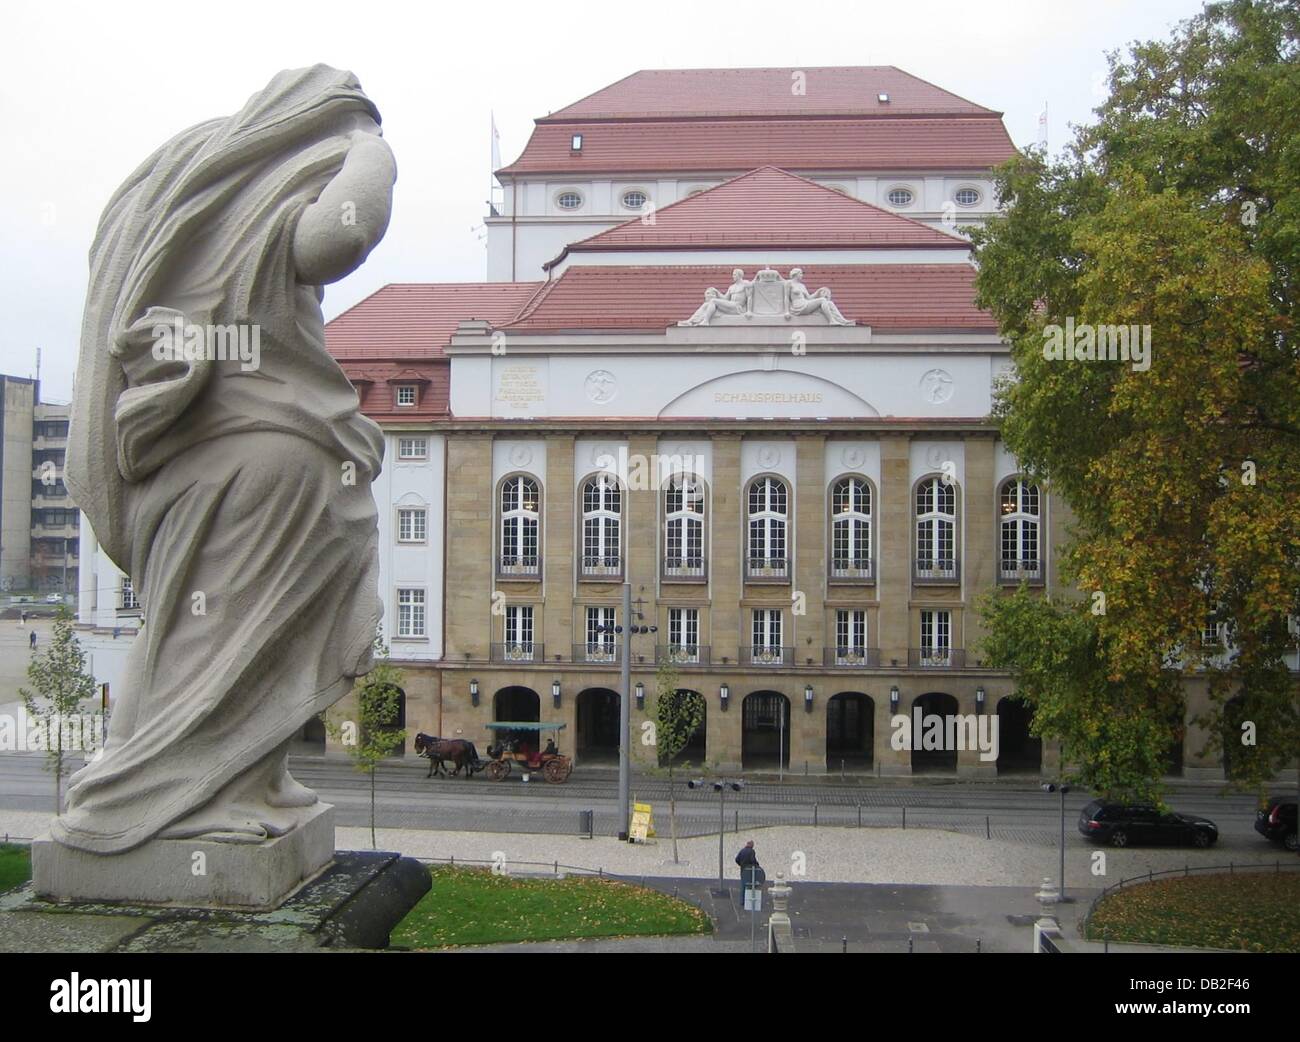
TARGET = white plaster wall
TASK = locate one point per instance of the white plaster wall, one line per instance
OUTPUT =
(646, 385)
(412, 483)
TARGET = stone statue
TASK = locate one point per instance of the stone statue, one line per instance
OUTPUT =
(714, 302)
(222, 460)
(801, 302)
(767, 298)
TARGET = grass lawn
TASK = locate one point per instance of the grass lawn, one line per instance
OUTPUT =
(15, 866)
(472, 906)
(1248, 911)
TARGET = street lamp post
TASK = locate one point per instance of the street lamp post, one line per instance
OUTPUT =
(625, 708)
(720, 787)
(1062, 788)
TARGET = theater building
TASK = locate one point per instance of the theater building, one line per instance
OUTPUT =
(727, 352)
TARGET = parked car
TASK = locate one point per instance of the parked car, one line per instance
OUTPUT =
(1277, 822)
(54, 598)
(1122, 824)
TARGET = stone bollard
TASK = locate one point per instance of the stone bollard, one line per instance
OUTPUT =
(780, 934)
(1048, 896)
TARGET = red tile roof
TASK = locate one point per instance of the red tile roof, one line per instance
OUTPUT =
(768, 207)
(416, 320)
(883, 296)
(841, 91)
(807, 145)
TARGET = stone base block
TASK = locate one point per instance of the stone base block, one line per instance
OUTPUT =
(254, 876)
(977, 770)
(895, 770)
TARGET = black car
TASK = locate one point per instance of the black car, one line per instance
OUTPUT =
(1122, 824)
(1277, 822)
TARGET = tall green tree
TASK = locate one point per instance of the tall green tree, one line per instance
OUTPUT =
(61, 700)
(678, 714)
(371, 737)
(1177, 210)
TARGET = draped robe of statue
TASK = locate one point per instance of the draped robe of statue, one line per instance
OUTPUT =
(222, 489)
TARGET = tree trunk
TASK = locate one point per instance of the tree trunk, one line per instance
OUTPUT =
(672, 811)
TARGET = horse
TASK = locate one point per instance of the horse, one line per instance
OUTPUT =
(458, 750)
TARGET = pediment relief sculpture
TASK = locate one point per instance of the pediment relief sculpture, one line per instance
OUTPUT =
(767, 298)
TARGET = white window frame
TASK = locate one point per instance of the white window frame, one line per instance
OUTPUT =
(936, 637)
(849, 494)
(935, 505)
(850, 636)
(767, 528)
(684, 635)
(1020, 528)
(412, 613)
(127, 598)
(418, 528)
(519, 527)
(685, 512)
(601, 647)
(405, 391)
(766, 624)
(412, 448)
(518, 633)
(602, 526)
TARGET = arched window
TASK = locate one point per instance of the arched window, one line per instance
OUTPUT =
(851, 529)
(684, 528)
(936, 530)
(1019, 533)
(520, 527)
(602, 530)
(768, 510)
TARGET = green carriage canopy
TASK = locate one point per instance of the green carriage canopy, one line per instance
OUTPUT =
(524, 725)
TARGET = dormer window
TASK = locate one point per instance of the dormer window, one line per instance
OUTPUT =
(576, 143)
(883, 98)
(405, 395)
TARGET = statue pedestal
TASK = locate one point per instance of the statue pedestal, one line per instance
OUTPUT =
(253, 876)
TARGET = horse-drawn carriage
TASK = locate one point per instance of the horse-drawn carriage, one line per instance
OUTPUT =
(511, 747)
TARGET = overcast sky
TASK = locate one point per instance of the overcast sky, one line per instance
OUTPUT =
(93, 89)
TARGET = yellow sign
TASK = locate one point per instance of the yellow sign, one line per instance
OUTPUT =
(642, 822)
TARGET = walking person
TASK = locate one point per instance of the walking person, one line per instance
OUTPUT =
(33, 640)
(751, 872)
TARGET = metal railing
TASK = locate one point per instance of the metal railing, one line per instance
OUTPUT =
(1011, 573)
(1277, 867)
(767, 655)
(852, 569)
(602, 566)
(685, 569)
(767, 569)
(936, 658)
(683, 654)
(519, 651)
(848, 656)
(936, 570)
(596, 651)
(519, 566)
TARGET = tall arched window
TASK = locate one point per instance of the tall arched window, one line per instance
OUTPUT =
(520, 527)
(936, 530)
(684, 528)
(851, 529)
(766, 553)
(1020, 532)
(602, 530)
